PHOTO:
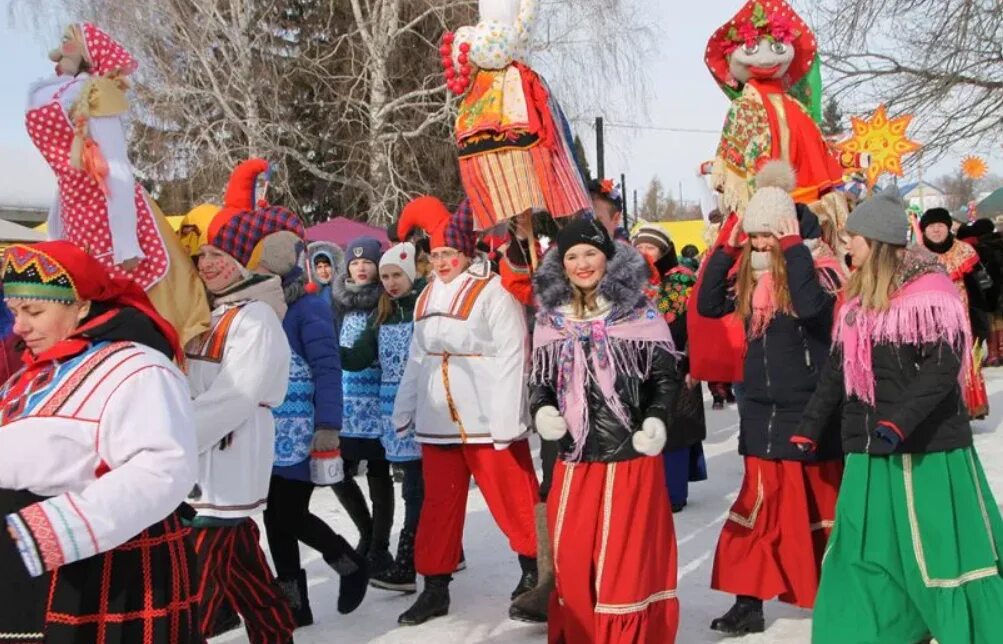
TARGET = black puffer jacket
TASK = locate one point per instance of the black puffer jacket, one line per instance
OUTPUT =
(915, 388)
(782, 366)
(608, 440)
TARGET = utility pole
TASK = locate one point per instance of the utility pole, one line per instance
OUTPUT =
(635, 204)
(623, 198)
(600, 149)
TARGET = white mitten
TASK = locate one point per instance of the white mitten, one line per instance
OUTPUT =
(550, 425)
(651, 439)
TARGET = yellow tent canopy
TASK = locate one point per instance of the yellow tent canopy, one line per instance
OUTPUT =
(173, 220)
(682, 233)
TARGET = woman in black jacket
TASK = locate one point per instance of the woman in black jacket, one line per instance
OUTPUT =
(916, 547)
(772, 542)
(604, 378)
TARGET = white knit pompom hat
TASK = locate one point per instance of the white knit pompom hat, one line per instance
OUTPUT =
(772, 200)
(402, 256)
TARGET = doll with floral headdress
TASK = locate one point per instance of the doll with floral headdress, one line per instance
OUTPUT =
(758, 57)
(512, 138)
(75, 119)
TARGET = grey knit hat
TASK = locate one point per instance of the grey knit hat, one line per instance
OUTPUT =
(882, 218)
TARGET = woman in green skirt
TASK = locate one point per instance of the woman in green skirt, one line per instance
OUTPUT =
(916, 547)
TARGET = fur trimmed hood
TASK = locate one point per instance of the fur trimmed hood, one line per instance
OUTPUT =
(623, 285)
(347, 297)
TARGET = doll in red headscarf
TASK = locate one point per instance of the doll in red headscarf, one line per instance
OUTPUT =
(75, 119)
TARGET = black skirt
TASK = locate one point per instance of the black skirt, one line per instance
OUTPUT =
(22, 597)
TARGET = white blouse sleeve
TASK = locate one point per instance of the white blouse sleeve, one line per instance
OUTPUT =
(406, 402)
(254, 372)
(146, 440)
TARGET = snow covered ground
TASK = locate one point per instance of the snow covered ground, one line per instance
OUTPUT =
(479, 611)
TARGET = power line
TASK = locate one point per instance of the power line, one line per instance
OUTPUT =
(658, 128)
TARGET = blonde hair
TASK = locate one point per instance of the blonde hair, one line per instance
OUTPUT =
(584, 302)
(874, 282)
(745, 284)
(384, 308)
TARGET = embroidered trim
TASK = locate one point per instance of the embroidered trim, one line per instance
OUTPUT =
(626, 609)
(209, 346)
(607, 511)
(982, 505)
(70, 386)
(26, 545)
(44, 535)
(562, 507)
(750, 521)
(917, 541)
(462, 304)
(227, 508)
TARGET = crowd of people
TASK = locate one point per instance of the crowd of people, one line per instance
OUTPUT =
(140, 444)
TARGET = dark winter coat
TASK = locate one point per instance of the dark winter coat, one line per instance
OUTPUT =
(915, 387)
(608, 440)
(782, 367)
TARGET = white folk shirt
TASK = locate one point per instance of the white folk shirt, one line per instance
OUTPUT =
(238, 371)
(465, 380)
(109, 441)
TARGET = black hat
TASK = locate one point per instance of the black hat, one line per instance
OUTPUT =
(585, 231)
(607, 190)
(935, 216)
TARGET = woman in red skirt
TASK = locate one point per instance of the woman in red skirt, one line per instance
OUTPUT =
(773, 539)
(604, 383)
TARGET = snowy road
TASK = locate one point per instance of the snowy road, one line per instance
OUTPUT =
(480, 594)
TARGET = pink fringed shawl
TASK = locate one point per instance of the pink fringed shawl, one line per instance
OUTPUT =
(624, 346)
(925, 310)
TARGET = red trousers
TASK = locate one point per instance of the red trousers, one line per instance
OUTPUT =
(615, 554)
(506, 479)
(772, 543)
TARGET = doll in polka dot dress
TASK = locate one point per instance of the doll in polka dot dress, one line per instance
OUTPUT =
(75, 119)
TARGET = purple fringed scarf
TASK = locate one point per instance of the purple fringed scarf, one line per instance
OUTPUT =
(623, 346)
(927, 309)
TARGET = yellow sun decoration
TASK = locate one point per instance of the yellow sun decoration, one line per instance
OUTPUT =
(884, 139)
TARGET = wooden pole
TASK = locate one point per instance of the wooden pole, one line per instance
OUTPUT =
(600, 149)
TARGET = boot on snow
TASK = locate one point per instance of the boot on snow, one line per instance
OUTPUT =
(532, 606)
(354, 501)
(400, 576)
(351, 567)
(527, 581)
(431, 603)
(745, 617)
(295, 590)
(381, 491)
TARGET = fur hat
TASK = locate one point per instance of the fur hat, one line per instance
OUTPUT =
(651, 234)
(402, 256)
(363, 248)
(772, 200)
(444, 230)
(584, 231)
(881, 218)
(935, 216)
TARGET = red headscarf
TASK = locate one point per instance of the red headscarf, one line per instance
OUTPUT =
(43, 261)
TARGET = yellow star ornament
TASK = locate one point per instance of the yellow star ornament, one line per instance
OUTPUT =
(884, 139)
(974, 167)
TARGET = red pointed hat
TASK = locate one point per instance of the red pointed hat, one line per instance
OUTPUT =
(104, 54)
(444, 230)
(239, 228)
(774, 19)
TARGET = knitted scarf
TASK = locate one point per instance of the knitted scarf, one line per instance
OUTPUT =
(622, 346)
(925, 308)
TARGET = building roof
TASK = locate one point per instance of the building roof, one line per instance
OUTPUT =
(909, 188)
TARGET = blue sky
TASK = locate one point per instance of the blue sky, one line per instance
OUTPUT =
(682, 95)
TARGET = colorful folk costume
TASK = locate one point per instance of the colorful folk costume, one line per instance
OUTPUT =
(92, 547)
(464, 391)
(960, 261)
(75, 121)
(982, 235)
(238, 372)
(514, 152)
(772, 542)
(603, 382)
(757, 57)
(669, 288)
(916, 548)
(387, 340)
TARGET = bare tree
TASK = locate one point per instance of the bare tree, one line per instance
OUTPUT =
(938, 59)
(960, 189)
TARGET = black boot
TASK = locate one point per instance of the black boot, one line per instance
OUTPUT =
(400, 576)
(745, 617)
(295, 590)
(432, 602)
(354, 501)
(354, 577)
(381, 491)
(529, 576)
